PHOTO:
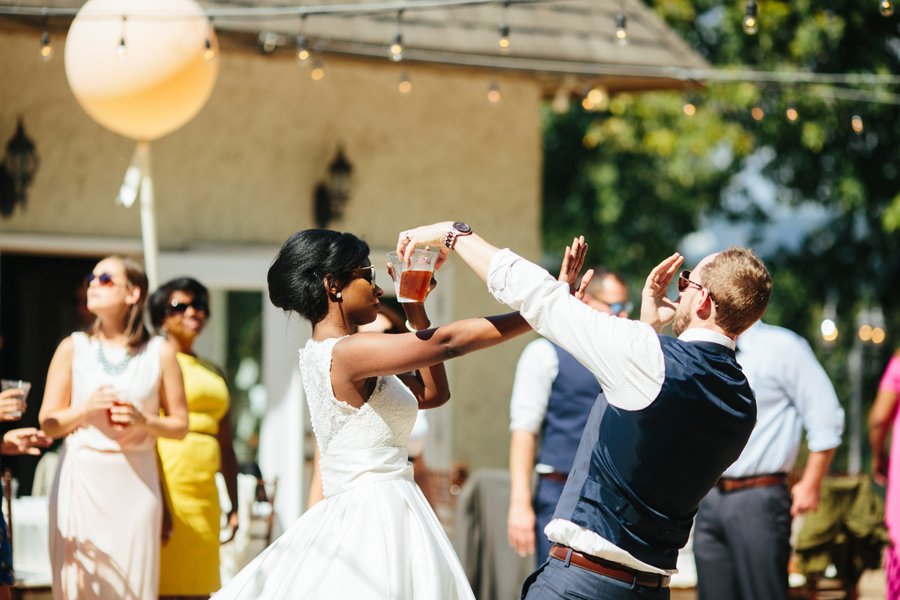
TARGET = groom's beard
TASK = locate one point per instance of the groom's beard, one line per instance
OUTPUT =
(682, 319)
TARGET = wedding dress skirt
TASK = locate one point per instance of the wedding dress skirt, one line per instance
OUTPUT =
(374, 537)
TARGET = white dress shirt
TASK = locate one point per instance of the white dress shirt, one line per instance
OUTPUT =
(625, 356)
(536, 371)
(793, 393)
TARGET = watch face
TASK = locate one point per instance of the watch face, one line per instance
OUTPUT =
(462, 228)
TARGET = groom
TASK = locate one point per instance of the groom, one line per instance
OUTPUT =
(677, 413)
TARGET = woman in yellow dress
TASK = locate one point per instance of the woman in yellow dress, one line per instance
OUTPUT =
(189, 562)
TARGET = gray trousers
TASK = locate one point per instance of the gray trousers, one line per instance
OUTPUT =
(742, 544)
(559, 580)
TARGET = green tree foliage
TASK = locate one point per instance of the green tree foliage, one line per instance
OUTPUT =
(637, 177)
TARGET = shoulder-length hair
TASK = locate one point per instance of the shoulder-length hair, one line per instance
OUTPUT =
(136, 332)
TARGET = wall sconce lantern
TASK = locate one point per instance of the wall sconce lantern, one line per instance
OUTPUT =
(329, 198)
(17, 170)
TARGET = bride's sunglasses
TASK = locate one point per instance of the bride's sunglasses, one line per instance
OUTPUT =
(371, 276)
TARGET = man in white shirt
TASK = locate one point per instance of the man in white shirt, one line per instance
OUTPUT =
(551, 399)
(743, 528)
(676, 414)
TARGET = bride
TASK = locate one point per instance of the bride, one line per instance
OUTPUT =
(374, 536)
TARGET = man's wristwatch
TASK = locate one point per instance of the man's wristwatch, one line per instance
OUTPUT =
(456, 230)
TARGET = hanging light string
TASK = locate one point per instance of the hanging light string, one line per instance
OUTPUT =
(268, 12)
(509, 63)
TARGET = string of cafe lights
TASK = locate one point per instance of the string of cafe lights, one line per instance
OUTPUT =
(270, 41)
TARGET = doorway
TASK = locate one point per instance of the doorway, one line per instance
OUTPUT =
(42, 300)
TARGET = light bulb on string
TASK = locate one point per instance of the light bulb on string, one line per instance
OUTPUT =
(757, 113)
(689, 108)
(597, 99)
(405, 85)
(209, 52)
(318, 71)
(792, 113)
(396, 49)
(46, 46)
(504, 37)
(751, 18)
(302, 42)
(621, 33)
(493, 94)
(302, 49)
(503, 42)
(886, 7)
(856, 123)
(121, 51)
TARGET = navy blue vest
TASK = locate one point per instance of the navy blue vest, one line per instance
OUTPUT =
(639, 476)
(572, 396)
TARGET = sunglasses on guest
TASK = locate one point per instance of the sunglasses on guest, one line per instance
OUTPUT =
(104, 279)
(179, 308)
(618, 307)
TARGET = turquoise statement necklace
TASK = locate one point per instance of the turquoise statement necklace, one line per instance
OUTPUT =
(113, 369)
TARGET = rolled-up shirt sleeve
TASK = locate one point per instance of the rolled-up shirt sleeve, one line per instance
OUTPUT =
(625, 356)
(536, 371)
(815, 398)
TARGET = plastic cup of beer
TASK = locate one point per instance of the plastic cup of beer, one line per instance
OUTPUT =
(16, 384)
(411, 283)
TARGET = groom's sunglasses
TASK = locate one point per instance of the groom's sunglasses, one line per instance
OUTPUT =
(684, 280)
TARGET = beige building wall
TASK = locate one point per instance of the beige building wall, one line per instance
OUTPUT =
(244, 170)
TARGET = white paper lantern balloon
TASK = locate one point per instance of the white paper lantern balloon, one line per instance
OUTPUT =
(167, 73)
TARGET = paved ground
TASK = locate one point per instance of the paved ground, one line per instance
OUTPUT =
(871, 587)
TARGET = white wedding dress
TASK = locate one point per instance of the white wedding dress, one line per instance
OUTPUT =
(374, 536)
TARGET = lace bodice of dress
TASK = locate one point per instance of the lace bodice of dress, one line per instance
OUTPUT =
(385, 420)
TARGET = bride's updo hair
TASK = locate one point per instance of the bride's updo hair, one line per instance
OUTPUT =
(295, 277)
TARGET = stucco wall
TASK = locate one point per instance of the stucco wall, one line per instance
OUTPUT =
(244, 171)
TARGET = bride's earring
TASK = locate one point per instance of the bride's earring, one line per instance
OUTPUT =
(338, 295)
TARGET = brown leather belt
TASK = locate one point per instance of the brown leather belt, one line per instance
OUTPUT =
(728, 484)
(608, 569)
(555, 476)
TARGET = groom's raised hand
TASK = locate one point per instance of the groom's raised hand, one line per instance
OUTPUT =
(573, 260)
(656, 308)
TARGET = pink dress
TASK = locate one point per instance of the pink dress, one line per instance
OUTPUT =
(890, 382)
(105, 507)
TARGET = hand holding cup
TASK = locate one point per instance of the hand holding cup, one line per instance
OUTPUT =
(122, 415)
(412, 283)
(13, 393)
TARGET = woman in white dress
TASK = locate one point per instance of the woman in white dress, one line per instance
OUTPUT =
(104, 394)
(374, 536)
